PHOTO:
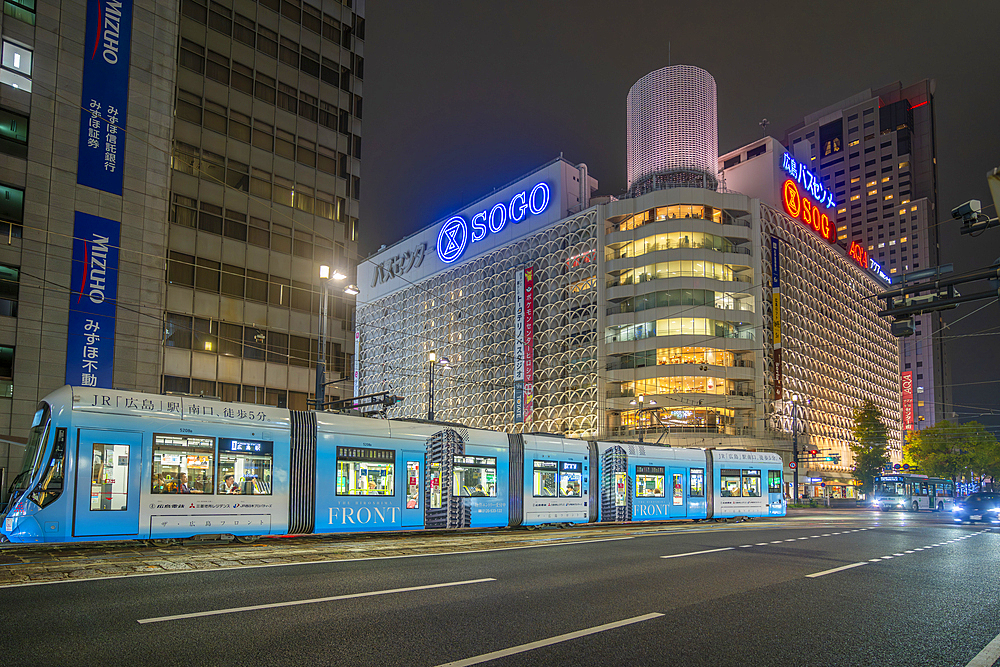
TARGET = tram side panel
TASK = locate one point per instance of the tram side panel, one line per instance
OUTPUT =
(420, 476)
(746, 484)
(639, 482)
(556, 478)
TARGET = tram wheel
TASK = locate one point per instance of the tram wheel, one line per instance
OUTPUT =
(916, 507)
(247, 539)
(162, 542)
(940, 507)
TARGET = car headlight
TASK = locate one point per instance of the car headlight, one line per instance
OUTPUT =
(958, 508)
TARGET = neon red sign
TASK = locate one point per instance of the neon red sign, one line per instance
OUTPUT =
(806, 212)
(858, 254)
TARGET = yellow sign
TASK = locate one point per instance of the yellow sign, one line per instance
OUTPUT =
(776, 318)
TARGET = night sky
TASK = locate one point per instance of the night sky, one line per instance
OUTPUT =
(461, 97)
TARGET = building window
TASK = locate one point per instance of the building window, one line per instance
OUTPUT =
(16, 70)
(11, 211)
(10, 278)
(13, 134)
(23, 10)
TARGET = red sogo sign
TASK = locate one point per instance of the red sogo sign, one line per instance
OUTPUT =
(800, 208)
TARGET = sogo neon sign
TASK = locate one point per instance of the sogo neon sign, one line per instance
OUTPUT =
(455, 234)
(801, 208)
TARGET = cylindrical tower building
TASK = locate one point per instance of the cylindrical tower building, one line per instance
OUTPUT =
(672, 130)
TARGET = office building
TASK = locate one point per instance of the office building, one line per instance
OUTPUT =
(876, 152)
(173, 174)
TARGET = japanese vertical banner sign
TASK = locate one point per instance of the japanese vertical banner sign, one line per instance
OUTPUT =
(776, 312)
(105, 94)
(90, 349)
(906, 396)
(519, 351)
(529, 341)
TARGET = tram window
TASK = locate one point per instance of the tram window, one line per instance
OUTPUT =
(545, 473)
(412, 485)
(249, 463)
(730, 483)
(183, 464)
(649, 481)
(109, 478)
(751, 483)
(697, 483)
(570, 479)
(365, 472)
(51, 485)
(434, 484)
(774, 481)
(678, 488)
(475, 476)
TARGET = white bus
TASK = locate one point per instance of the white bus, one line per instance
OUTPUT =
(913, 493)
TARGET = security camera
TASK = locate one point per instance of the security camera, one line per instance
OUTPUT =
(967, 211)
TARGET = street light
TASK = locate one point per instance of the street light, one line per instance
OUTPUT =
(324, 299)
(431, 359)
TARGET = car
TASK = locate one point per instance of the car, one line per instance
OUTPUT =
(983, 506)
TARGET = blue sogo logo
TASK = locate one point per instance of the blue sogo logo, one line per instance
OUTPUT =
(454, 236)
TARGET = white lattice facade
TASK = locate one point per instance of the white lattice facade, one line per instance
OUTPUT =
(836, 351)
(467, 314)
(672, 126)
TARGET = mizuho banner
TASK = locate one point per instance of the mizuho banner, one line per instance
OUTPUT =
(105, 94)
(93, 299)
(776, 313)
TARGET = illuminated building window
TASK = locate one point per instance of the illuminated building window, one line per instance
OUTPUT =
(902, 240)
(854, 143)
(16, 69)
(887, 197)
(905, 201)
(892, 242)
(855, 197)
(902, 211)
(892, 270)
(841, 228)
(842, 210)
(871, 183)
(886, 179)
(855, 179)
(904, 165)
(871, 247)
(881, 245)
(873, 192)
(913, 209)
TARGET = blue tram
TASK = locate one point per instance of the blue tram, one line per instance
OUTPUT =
(113, 465)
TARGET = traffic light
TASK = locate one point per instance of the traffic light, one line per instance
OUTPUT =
(813, 452)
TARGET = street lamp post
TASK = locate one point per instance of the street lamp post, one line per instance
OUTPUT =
(639, 412)
(431, 362)
(795, 447)
(325, 278)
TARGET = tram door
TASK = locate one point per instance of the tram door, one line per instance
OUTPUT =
(678, 497)
(107, 483)
(413, 485)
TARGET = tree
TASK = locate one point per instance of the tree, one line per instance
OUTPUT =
(870, 446)
(938, 450)
(956, 450)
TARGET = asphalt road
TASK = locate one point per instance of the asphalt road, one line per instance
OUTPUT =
(816, 588)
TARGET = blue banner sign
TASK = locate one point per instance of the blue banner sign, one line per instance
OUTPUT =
(93, 299)
(105, 94)
(775, 263)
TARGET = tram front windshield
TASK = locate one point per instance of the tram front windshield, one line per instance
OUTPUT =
(33, 451)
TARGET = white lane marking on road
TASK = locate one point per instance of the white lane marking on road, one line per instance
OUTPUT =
(825, 535)
(897, 554)
(836, 569)
(887, 557)
(910, 551)
(875, 560)
(745, 546)
(776, 542)
(813, 536)
(294, 603)
(486, 657)
(988, 655)
(762, 544)
(803, 538)
(791, 540)
(697, 553)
